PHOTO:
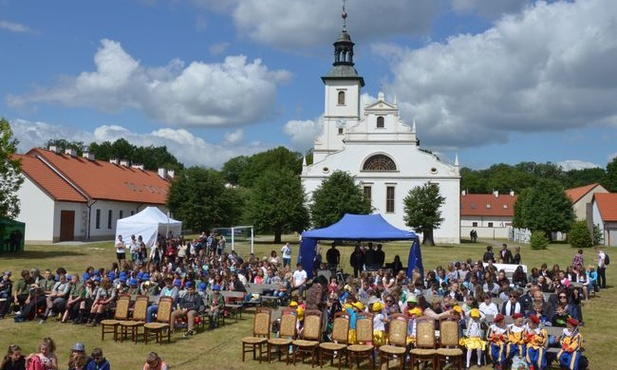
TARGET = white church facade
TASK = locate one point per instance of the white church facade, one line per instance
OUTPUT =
(378, 149)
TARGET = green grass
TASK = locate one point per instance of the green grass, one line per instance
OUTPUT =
(221, 348)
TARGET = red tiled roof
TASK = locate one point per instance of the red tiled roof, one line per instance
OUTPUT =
(607, 205)
(488, 205)
(103, 180)
(49, 181)
(576, 194)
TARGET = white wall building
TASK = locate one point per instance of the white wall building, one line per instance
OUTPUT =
(378, 149)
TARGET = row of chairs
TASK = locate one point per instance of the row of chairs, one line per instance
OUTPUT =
(427, 347)
(121, 326)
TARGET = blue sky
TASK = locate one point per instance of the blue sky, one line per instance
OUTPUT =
(492, 81)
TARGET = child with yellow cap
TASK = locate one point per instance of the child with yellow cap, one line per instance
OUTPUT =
(379, 324)
(353, 309)
(473, 339)
(413, 313)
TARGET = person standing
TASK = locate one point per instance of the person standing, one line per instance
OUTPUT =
(120, 251)
(299, 279)
(601, 268)
(356, 260)
(333, 257)
(505, 255)
(286, 252)
(380, 256)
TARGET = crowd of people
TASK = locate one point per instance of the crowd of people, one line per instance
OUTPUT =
(195, 272)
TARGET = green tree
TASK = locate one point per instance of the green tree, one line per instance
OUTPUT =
(610, 181)
(10, 172)
(337, 195)
(422, 213)
(538, 240)
(545, 207)
(64, 144)
(579, 236)
(233, 169)
(277, 204)
(274, 159)
(152, 158)
(199, 198)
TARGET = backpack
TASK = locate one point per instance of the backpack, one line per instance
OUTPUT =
(607, 260)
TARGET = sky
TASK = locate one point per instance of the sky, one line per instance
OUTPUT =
(489, 81)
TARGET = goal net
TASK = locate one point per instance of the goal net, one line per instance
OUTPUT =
(239, 238)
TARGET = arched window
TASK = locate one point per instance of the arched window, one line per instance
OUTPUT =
(341, 98)
(380, 123)
(379, 163)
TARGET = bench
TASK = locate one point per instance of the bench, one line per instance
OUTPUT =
(231, 303)
(266, 300)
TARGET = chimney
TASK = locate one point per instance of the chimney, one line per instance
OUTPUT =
(464, 192)
(71, 152)
(124, 163)
(88, 156)
(113, 161)
(511, 193)
(54, 148)
(496, 193)
(163, 173)
(171, 173)
(138, 166)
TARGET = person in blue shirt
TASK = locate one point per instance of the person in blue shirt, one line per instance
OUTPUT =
(99, 362)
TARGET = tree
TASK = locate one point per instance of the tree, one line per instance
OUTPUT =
(199, 198)
(337, 195)
(422, 212)
(610, 181)
(64, 144)
(152, 158)
(545, 207)
(579, 236)
(10, 172)
(233, 169)
(274, 159)
(277, 204)
(538, 240)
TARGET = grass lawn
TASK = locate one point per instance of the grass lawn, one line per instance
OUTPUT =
(221, 347)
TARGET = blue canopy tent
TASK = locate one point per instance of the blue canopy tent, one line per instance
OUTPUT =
(359, 228)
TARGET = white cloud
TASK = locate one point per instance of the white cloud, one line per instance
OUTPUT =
(186, 147)
(292, 23)
(489, 8)
(575, 164)
(549, 68)
(303, 133)
(234, 137)
(219, 48)
(13, 26)
(234, 92)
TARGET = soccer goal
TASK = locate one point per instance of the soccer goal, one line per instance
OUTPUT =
(241, 238)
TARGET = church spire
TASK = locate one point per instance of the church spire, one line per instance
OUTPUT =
(343, 47)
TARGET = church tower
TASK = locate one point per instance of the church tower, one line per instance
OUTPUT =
(342, 96)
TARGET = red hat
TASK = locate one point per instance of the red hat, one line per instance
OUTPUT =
(572, 321)
(517, 315)
(498, 318)
(534, 319)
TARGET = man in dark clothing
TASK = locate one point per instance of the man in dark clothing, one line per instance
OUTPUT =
(370, 258)
(488, 255)
(505, 254)
(316, 299)
(333, 257)
(380, 256)
(356, 260)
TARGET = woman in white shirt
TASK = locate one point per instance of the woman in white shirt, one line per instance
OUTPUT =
(487, 307)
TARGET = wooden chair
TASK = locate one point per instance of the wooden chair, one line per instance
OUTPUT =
(162, 323)
(449, 347)
(397, 341)
(140, 311)
(110, 326)
(261, 333)
(364, 335)
(287, 334)
(425, 349)
(311, 336)
(340, 335)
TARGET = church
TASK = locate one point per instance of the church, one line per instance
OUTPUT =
(381, 151)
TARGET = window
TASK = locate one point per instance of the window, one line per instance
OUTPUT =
(379, 163)
(120, 214)
(380, 123)
(341, 98)
(474, 224)
(490, 224)
(390, 199)
(98, 219)
(340, 131)
(367, 192)
(132, 213)
(109, 217)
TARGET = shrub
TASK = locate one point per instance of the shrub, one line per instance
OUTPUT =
(538, 240)
(579, 236)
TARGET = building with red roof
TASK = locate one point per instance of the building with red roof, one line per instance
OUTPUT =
(490, 215)
(67, 197)
(604, 213)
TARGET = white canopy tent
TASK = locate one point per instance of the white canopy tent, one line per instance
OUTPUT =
(147, 223)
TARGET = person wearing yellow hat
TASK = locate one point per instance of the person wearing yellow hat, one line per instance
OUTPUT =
(473, 337)
(496, 336)
(379, 324)
(413, 313)
(353, 311)
(571, 342)
(537, 339)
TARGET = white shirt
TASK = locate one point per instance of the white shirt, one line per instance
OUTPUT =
(601, 257)
(489, 309)
(299, 277)
(378, 323)
(120, 247)
(286, 251)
